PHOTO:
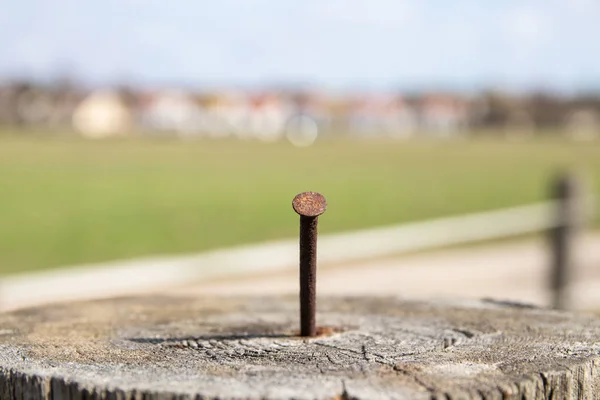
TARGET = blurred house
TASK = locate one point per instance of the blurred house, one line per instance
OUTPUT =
(267, 115)
(8, 114)
(583, 124)
(25, 104)
(383, 115)
(507, 115)
(275, 114)
(102, 114)
(362, 117)
(336, 111)
(34, 106)
(308, 116)
(64, 103)
(399, 119)
(444, 115)
(318, 107)
(172, 112)
(227, 114)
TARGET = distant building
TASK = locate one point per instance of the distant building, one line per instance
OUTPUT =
(173, 112)
(267, 117)
(227, 115)
(8, 114)
(34, 106)
(318, 107)
(383, 116)
(64, 104)
(583, 124)
(444, 115)
(399, 120)
(102, 114)
(363, 118)
(295, 113)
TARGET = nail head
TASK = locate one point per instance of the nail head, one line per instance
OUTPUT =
(309, 204)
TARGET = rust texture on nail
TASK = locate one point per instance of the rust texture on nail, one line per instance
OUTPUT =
(308, 275)
(309, 205)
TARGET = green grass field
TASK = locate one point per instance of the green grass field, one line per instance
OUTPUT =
(68, 201)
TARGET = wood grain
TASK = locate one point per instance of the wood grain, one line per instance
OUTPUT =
(226, 348)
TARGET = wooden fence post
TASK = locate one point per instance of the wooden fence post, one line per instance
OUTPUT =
(566, 191)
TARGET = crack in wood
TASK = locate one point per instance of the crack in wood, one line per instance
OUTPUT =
(415, 378)
(215, 349)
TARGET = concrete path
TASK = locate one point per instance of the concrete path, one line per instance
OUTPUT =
(515, 271)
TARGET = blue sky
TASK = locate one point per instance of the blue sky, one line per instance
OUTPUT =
(336, 43)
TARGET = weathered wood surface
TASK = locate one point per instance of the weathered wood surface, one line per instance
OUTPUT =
(190, 348)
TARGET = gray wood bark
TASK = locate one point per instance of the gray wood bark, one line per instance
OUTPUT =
(189, 348)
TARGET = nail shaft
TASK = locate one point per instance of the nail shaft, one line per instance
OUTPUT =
(308, 275)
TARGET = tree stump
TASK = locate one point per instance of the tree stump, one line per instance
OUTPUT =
(226, 348)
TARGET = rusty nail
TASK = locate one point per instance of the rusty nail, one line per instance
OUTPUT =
(309, 205)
